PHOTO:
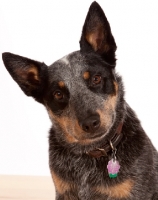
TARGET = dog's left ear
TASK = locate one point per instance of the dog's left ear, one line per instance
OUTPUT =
(29, 74)
(97, 36)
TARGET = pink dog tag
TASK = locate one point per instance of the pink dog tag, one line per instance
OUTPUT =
(113, 168)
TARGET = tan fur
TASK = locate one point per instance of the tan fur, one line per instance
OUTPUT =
(64, 122)
(109, 107)
(116, 88)
(95, 37)
(113, 98)
(86, 75)
(76, 133)
(33, 70)
(60, 185)
(61, 84)
(118, 191)
(26, 73)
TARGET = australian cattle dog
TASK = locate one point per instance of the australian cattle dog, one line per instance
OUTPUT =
(97, 147)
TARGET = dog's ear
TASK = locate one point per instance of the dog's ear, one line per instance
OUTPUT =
(30, 75)
(97, 36)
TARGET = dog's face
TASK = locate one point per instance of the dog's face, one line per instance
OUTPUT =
(81, 96)
(79, 91)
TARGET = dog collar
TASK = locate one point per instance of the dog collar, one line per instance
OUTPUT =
(109, 145)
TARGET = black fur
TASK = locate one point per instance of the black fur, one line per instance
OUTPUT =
(84, 98)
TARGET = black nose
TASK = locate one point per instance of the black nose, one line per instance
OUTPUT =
(91, 124)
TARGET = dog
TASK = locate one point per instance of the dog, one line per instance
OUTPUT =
(97, 147)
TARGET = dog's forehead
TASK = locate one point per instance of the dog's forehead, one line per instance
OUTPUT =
(69, 67)
(73, 66)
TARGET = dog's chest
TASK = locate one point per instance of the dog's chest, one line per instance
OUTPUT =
(84, 191)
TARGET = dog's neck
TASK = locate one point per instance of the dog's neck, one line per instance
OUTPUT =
(108, 145)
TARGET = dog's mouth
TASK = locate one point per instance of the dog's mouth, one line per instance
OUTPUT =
(88, 139)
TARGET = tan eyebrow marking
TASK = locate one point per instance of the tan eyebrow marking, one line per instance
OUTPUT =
(86, 75)
(61, 84)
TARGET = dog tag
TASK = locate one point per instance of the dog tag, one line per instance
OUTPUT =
(113, 168)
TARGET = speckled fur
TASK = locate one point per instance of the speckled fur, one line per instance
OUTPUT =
(71, 98)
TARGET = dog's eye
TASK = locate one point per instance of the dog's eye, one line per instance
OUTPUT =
(58, 95)
(96, 79)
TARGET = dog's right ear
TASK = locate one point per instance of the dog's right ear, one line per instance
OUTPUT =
(96, 35)
(30, 75)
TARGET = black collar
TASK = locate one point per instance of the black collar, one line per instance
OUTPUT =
(108, 145)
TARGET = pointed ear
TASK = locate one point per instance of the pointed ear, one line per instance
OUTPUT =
(97, 36)
(30, 75)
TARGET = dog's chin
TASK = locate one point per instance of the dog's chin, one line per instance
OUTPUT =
(93, 138)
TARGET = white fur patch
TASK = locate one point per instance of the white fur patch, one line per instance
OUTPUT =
(65, 60)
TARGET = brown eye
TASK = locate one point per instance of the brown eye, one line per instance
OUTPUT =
(58, 95)
(96, 79)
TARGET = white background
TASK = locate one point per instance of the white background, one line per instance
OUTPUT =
(46, 30)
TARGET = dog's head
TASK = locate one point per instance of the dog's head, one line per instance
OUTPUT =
(81, 91)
